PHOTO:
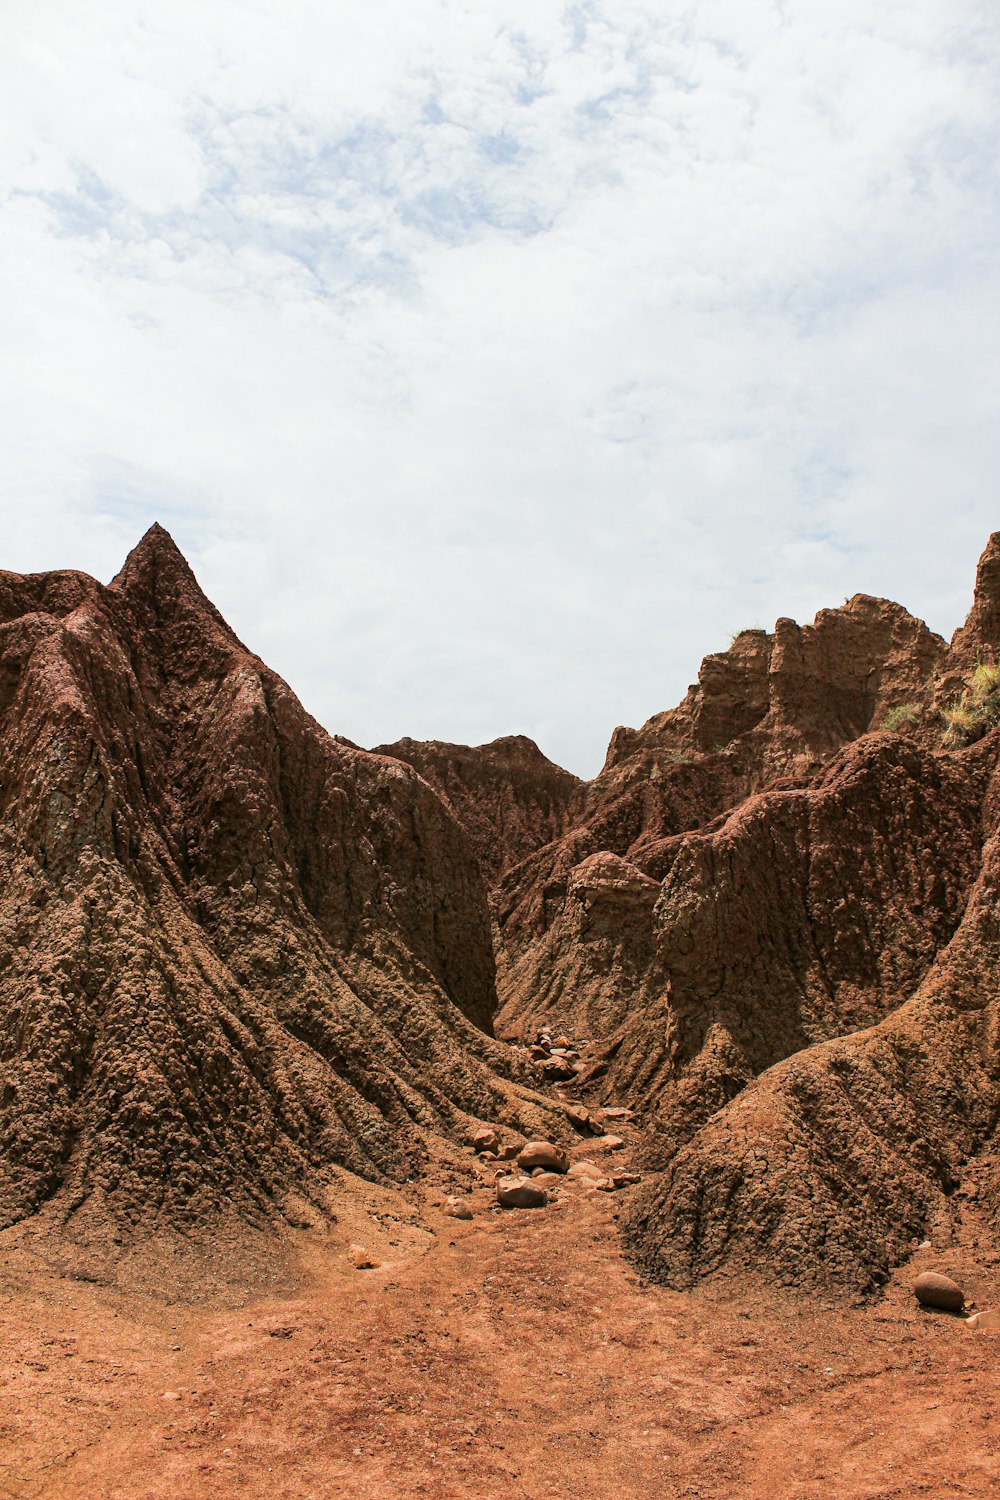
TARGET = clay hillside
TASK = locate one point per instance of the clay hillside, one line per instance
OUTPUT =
(244, 964)
(237, 956)
(770, 926)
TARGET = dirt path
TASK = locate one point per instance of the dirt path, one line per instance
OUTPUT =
(515, 1355)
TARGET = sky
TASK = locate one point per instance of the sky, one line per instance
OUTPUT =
(491, 364)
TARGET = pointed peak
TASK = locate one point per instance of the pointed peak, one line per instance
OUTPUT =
(158, 580)
(156, 552)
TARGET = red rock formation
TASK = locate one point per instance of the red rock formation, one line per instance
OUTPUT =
(233, 951)
(979, 637)
(508, 797)
(828, 1169)
(770, 711)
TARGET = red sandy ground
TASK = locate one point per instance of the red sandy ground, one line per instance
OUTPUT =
(516, 1355)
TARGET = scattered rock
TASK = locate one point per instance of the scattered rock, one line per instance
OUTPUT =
(520, 1192)
(360, 1258)
(584, 1168)
(581, 1118)
(546, 1180)
(625, 1179)
(508, 1153)
(608, 1143)
(456, 1209)
(543, 1154)
(484, 1139)
(617, 1112)
(984, 1322)
(932, 1289)
(557, 1069)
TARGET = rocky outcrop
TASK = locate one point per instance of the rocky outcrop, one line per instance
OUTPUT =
(234, 952)
(771, 711)
(828, 1169)
(809, 913)
(979, 637)
(508, 797)
(775, 911)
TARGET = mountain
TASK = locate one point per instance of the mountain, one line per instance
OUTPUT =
(236, 953)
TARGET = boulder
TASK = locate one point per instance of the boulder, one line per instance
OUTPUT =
(932, 1289)
(557, 1069)
(609, 1143)
(583, 1171)
(520, 1192)
(543, 1154)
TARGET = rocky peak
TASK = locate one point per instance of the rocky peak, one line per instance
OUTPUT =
(980, 635)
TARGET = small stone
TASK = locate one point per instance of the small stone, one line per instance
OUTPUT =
(557, 1068)
(582, 1171)
(543, 1154)
(487, 1157)
(520, 1192)
(546, 1180)
(609, 1143)
(932, 1289)
(987, 1321)
(360, 1258)
(484, 1139)
(508, 1153)
(456, 1209)
(625, 1179)
(580, 1117)
(617, 1112)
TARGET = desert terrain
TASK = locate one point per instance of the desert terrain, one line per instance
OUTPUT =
(427, 1121)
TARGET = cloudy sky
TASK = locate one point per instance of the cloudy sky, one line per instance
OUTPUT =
(492, 363)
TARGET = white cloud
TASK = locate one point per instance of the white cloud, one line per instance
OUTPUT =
(494, 363)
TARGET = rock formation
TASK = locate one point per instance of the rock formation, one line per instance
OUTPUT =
(237, 954)
(771, 913)
(234, 952)
(509, 798)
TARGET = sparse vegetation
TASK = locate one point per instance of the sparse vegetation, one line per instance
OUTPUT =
(901, 717)
(678, 758)
(977, 708)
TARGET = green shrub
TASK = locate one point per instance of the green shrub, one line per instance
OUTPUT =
(900, 717)
(977, 708)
